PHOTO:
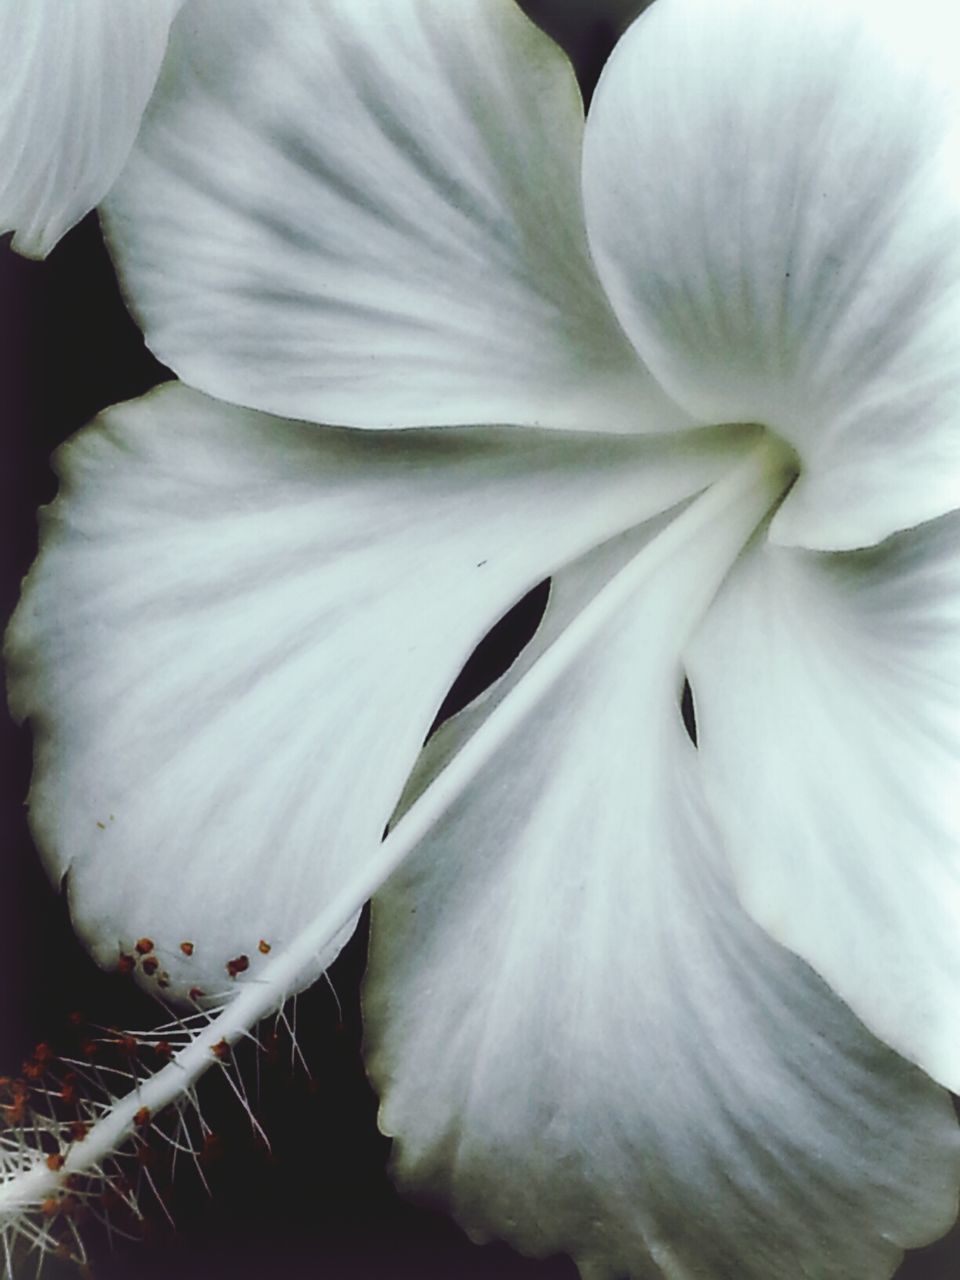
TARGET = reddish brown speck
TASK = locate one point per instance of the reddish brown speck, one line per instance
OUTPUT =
(128, 1046)
(78, 1130)
(150, 965)
(264, 947)
(68, 1090)
(55, 1162)
(50, 1208)
(186, 948)
(220, 1050)
(144, 946)
(196, 993)
(126, 964)
(142, 1118)
(238, 965)
(163, 1049)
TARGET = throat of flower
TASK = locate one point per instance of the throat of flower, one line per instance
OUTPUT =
(710, 532)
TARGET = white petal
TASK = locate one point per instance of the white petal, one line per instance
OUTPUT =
(827, 690)
(240, 629)
(368, 212)
(74, 80)
(773, 200)
(581, 1041)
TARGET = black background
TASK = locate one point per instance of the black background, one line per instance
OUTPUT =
(321, 1205)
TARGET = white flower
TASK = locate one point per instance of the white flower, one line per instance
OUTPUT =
(589, 1010)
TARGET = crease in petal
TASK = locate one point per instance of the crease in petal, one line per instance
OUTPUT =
(74, 82)
(773, 204)
(828, 708)
(370, 214)
(239, 631)
(581, 1041)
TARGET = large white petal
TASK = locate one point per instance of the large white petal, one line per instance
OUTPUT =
(773, 199)
(581, 1041)
(828, 699)
(368, 212)
(74, 80)
(240, 629)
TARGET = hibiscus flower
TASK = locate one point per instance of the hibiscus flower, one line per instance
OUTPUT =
(662, 1006)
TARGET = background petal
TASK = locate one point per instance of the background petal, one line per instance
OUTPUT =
(774, 205)
(827, 690)
(240, 629)
(74, 80)
(369, 213)
(581, 1041)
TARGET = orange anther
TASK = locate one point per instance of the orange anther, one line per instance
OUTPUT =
(264, 947)
(186, 948)
(55, 1162)
(142, 1118)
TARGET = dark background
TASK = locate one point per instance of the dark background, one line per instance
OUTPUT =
(321, 1205)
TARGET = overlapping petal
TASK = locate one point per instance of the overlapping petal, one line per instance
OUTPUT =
(240, 629)
(583, 1043)
(368, 212)
(773, 201)
(74, 80)
(828, 700)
